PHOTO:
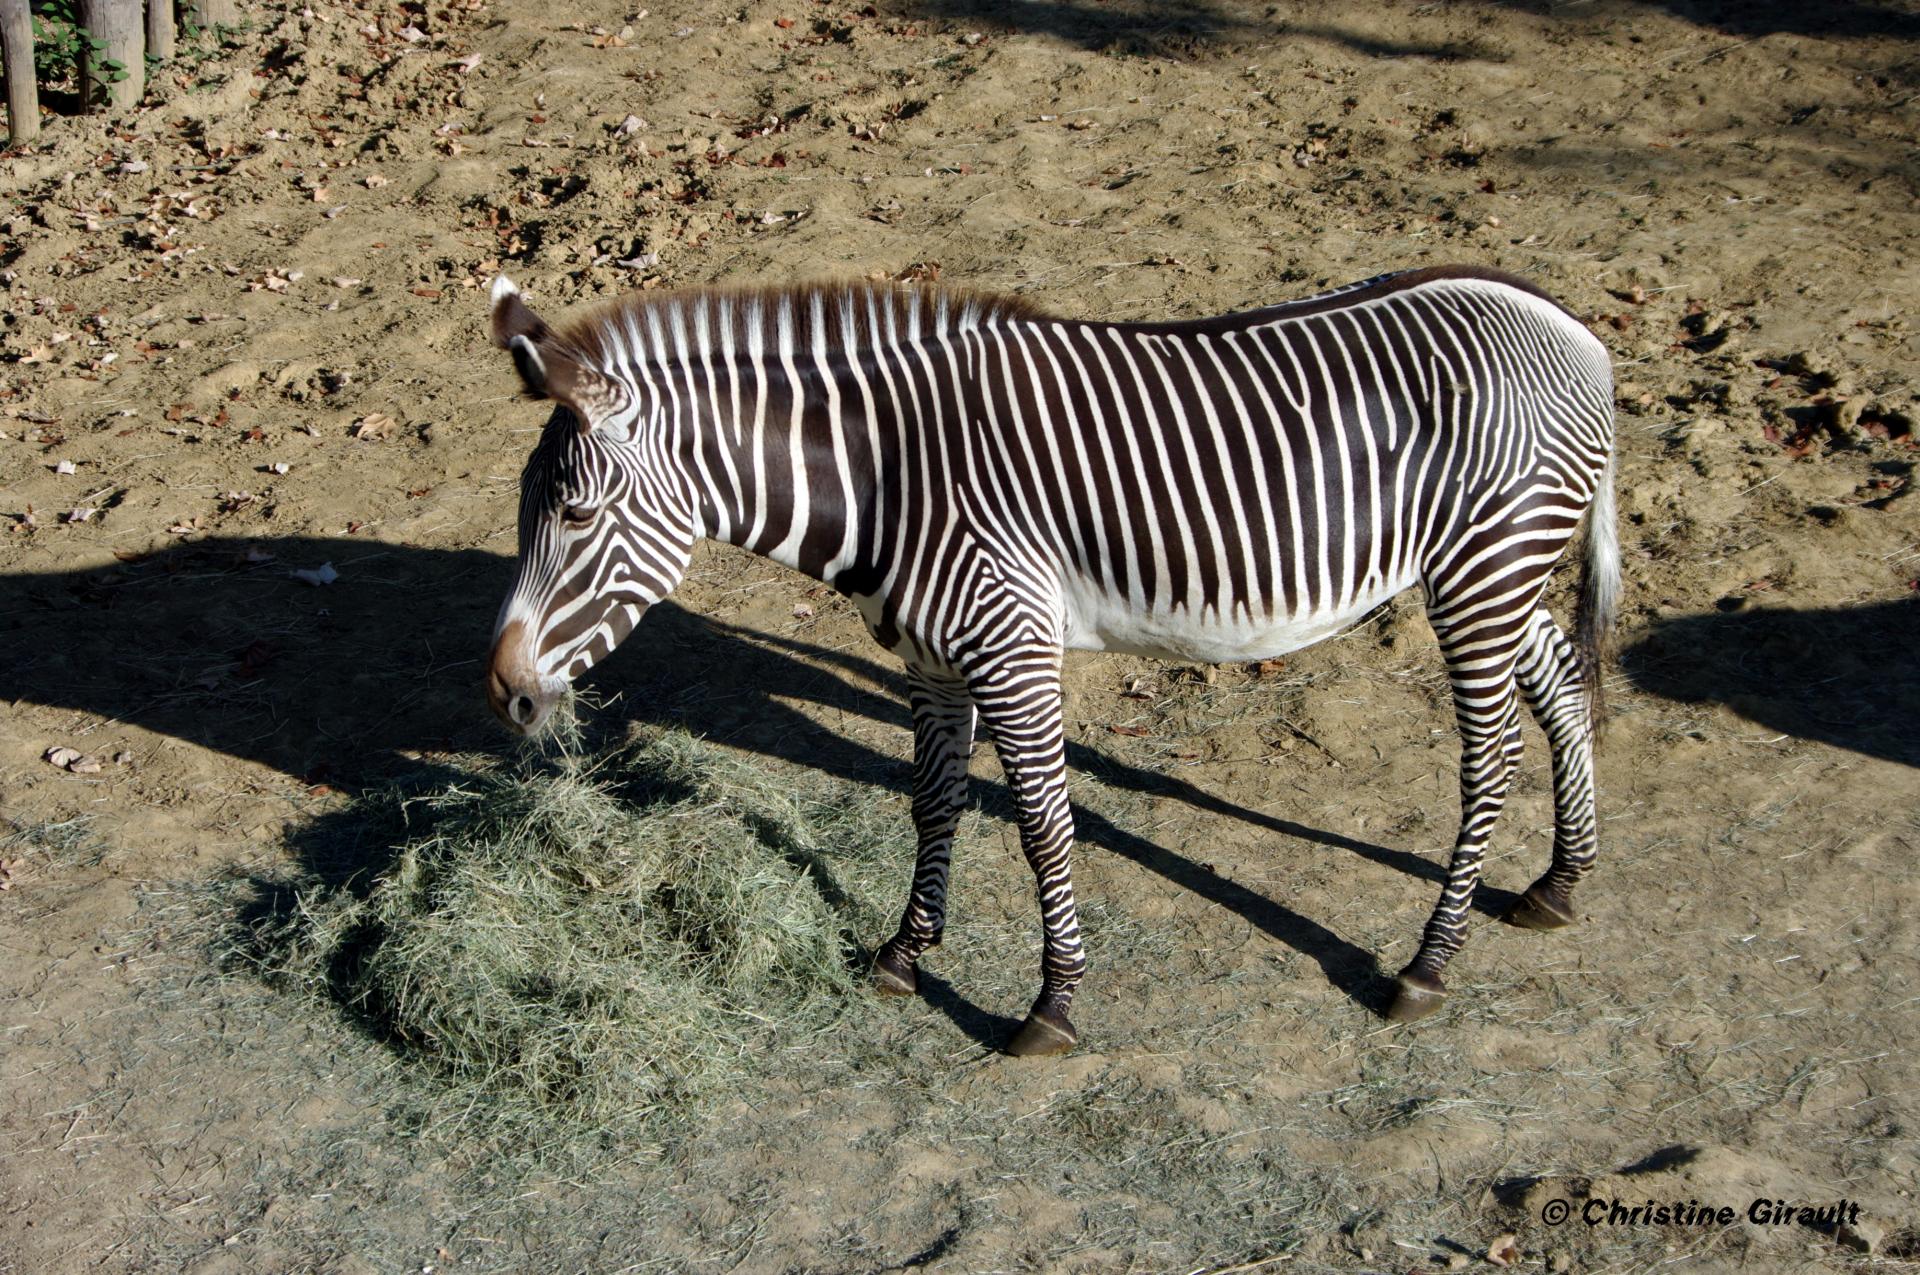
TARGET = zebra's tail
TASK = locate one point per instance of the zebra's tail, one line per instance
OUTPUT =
(1599, 592)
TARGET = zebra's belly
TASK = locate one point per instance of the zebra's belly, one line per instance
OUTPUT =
(1099, 622)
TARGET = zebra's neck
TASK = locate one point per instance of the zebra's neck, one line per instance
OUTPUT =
(790, 411)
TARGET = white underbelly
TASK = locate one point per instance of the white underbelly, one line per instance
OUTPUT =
(1099, 622)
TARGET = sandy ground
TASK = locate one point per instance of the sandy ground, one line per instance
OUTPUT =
(244, 339)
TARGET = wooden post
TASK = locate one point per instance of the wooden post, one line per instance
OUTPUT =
(23, 94)
(160, 29)
(118, 32)
(214, 13)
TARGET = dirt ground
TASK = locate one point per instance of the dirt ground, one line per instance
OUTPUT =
(244, 339)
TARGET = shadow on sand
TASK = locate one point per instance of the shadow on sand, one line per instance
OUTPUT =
(1176, 27)
(1844, 676)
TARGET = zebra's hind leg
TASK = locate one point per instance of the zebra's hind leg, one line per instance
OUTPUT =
(1549, 676)
(942, 737)
(1481, 667)
(1020, 704)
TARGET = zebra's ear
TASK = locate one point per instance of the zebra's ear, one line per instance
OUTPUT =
(547, 367)
(591, 395)
(518, 329)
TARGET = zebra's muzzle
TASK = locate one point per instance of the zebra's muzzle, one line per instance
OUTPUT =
(515, 689)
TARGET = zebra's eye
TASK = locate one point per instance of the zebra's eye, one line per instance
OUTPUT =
(576, 515)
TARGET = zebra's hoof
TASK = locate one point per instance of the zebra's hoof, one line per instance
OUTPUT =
(1538, 910)
(1043, 1035)
(1415, 996)
(894, 975)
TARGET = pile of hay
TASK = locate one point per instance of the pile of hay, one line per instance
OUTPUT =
(600, 945)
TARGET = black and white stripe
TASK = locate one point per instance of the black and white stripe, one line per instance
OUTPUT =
(992, 485)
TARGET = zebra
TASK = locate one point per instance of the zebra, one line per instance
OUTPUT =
(992, 485)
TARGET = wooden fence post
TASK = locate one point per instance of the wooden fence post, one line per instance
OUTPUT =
(23, 93)
(117, 33)
(160, 29)
(214, 13)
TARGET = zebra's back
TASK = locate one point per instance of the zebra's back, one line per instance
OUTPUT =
(1237, 487)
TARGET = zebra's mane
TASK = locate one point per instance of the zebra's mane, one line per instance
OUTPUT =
(859, 313)
(841, 313)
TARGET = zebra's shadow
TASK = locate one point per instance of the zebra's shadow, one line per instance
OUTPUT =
(359, 683)
(1840, 675)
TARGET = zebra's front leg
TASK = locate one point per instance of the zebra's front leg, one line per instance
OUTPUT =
(1020, 703)
(1488, 709)
(942, 738)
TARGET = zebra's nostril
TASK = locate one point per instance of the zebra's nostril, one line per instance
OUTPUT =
(522, 709)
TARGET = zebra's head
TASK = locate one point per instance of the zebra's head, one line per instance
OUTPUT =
(606, 518)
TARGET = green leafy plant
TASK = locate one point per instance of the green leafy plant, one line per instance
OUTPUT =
(59, 40)
(61, 44)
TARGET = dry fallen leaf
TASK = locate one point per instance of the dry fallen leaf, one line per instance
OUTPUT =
(1505, 1250)
(373, 426)
(275, 281)
(81, 514)
(73, 760)
(317, 576)
(64, 467)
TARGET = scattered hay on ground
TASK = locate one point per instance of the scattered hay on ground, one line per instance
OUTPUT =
(595, 945)
(66, 843)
